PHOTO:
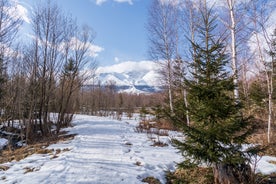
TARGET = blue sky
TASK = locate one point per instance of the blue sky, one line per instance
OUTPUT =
(119, 26)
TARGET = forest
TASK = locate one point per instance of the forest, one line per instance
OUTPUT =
(216, 66)
(218, 69)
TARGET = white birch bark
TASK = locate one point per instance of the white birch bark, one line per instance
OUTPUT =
(233, 48)
(269, 86)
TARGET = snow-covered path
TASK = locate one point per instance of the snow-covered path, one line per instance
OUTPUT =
(104, 151)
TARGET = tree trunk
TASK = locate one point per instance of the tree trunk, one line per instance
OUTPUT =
(186, 105)
(229, 174)
(223, 176)
(270, 114)
(233, 48)
(269, 81)
(170, 95)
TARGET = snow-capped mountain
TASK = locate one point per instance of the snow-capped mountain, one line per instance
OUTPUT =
(131, 77)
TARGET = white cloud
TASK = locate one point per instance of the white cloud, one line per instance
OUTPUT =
(74, 44)
(116, 59)
(130, 73)
(99, 2)
(124, 1)
(23, 13)
(128, 66)
(172, 2)
(93, 50)
(16, 11)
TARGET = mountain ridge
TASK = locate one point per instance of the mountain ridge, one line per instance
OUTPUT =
(131, 77)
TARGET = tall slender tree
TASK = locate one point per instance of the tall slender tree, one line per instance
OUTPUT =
(163, 40)
(233, 30)
(47, 22)
(260, 15)
(9, 26)
(59, 52)
(272, 63)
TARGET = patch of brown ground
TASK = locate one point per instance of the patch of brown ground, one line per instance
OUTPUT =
(259, 136)
(40, 147)
(198, 175)
(151, 180)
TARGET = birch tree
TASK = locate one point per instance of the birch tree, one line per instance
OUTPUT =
(259, 13)
(163, 38)
(190, 23)
(233, 29)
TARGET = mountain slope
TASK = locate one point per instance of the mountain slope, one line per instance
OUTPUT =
(131, 77)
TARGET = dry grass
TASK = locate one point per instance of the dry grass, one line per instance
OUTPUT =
(205, 175)
(162, 125)
(138, 163)
(259, 136)
(28, 169)
(198, 175)
(272, 162)
(159, 144)
(151, 180)
(202, 175)
(9, 155)
(4, 167)
(128, 144)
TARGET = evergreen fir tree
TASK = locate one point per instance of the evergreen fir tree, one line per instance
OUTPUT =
(70, 68)
(218, 129)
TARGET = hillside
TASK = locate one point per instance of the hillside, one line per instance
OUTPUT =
(130, 77)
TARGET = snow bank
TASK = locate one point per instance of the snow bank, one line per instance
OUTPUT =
(265, 165)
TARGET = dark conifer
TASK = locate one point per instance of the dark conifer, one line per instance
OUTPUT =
(218, 128)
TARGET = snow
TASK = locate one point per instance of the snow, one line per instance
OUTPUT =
(128, 66)
(104, 151)
(152, 78)
(132, 90)
(265, 166)
(3, 142)
(116, 78)
(130, 73)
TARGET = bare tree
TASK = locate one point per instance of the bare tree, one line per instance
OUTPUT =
(9, 25)
(245, 63)
(47, 23)
(59, 54)
(76, 52)
(259, 12)
(238, 38)
(163, 38)
(190, 21)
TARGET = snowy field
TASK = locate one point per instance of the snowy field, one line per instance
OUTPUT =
(103, 151)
